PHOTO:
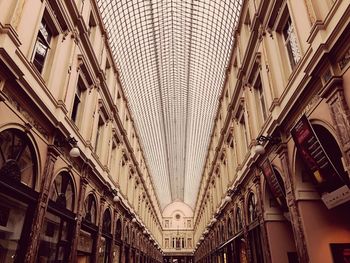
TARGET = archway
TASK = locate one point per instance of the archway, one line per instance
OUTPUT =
(88, 231)
(117, 241)
(18, 198)
(106, 238)
(324, 228)
(57, 230)
(278, 225)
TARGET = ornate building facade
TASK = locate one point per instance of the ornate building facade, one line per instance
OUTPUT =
(74, 181)
(276, 183)
(59, 90)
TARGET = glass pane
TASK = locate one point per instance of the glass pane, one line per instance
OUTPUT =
(54, 240)
(168, 52)
(12, 215)
(17, 157)
(62, 191)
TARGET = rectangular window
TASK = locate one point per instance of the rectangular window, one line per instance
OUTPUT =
(260, 100)
(92, 27)
(42, 46)
(178, 244)
(113, 159)
(12, 222)
(189, 242)
(99, 134)
(243, 129)
(78, 103)
(291, 43)
(166, 223)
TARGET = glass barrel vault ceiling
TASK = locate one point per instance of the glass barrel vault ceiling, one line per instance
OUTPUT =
(172, 57)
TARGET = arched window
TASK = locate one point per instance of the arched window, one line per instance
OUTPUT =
(18, 198)
(118, 230)
(252, 216)
(222, 234)
(62, 191)
(282, 202)
(17, 157)
(105, 241)
(133, 241)
(238, 220)
(106, 225)
(126, 235)
(254, 234)
(57, 230)
(217, 236)
(90, 209)
(229, 228)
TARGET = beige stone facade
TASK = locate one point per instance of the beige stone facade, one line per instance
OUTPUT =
(60, 89)
(290, 60)
(58, 81)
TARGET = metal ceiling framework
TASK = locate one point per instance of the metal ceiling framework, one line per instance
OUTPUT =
(172, 57)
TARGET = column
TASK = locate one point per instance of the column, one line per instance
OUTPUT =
(260, 214)
(340, 112)
(75, 241)
(99, 231)
(43, 200)
(298, 231)
(244, 224)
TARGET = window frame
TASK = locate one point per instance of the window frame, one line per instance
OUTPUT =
(52, 24)
(260, 99)
(44, 43)
(99, 133)
(292, 47)
(78, 109)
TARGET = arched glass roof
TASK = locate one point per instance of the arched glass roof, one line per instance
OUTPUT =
(172, 57)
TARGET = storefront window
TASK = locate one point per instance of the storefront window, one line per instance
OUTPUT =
(85, 246)
(55, 240)
(118, 230)
(12, 215)
(58, 225)
(87, 235)
(252, 216)
(105, 245)
(18, 168)
(90, 209)
(17, 157)
(63, 191)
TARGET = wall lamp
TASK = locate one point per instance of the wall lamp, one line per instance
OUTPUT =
(259, 148)
(60, 142)
(74, 152)
(116, 198)
(227, 199)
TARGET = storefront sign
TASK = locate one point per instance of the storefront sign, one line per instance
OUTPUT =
(337, 197)
(317, 160)
(85, 242)
(272, 181)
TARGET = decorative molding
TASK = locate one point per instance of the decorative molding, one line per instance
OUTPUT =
(28, 116)
(344, 60)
